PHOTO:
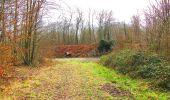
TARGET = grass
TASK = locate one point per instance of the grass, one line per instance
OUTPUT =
(60, 81)
(138, 88)
(77, 80)
(140, 65)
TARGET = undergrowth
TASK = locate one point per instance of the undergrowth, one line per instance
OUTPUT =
(138, 88)
(140, 64)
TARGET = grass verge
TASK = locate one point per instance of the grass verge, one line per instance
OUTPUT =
(138, 88)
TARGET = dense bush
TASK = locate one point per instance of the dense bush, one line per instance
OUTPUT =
(140, 64)
(105, 46)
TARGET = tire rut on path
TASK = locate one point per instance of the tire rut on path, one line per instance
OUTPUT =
(68, 83)
(75, 83)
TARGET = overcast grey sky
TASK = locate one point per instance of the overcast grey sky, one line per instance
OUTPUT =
(122, 9)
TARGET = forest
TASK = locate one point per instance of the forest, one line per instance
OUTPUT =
(83, 54)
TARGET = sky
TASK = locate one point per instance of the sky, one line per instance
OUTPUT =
(122, 9)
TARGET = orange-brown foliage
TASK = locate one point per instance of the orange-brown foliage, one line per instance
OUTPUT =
(1, 71)
(75, 50)
(6, 57)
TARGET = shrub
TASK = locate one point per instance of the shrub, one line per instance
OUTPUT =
(138, 59)
(107, 60)
(140, 64)
(105, 46)
(158, 73)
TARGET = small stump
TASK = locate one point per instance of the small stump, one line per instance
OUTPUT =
(68, 54)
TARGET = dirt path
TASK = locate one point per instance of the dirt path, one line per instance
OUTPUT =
(78, 59)
(75, 79)
(76, 83)
(62, 81)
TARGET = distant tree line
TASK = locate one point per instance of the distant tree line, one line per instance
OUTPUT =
(80, 28)
(22, 32)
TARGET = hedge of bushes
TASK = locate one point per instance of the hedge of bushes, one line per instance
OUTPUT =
(105, 46)
(140, 64)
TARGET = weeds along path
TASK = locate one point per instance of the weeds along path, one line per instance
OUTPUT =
(75, 80)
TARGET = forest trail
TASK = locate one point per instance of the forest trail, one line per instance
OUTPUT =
(74, 79)
(66, 80)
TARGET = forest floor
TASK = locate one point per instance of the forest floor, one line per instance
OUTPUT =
(75, 79)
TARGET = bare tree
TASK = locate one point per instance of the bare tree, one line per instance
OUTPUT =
(136, 28)
(105, 24)
(79, 19)
(2, 19)
(157, 26)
